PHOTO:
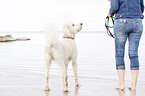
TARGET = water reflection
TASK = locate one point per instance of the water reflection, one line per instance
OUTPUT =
(75, 94)
(133, 93)
(122, 93)
(47, 93)
(65, 93)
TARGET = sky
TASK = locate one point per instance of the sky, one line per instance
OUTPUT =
(32, 15)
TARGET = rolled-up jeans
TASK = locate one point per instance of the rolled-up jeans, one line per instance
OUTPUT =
(131, 29)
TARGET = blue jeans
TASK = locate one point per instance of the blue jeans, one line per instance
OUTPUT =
(130, 29)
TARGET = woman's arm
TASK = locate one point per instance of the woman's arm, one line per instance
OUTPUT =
(142, 6)
(114, 7)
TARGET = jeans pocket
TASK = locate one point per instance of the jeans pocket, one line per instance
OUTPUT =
(139, 26)
(121, 25)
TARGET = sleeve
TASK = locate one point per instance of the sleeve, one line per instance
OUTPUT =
(142, 6)
(114, 7)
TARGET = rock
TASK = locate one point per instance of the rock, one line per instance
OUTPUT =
(8, 38)
(22, 39)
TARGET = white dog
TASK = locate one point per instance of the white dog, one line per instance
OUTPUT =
(62, 52)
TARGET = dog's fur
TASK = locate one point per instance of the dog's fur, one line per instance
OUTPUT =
(62, 52)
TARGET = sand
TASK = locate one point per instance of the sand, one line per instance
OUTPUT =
(22, 68)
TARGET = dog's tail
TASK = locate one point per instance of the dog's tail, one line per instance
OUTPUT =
(51, 34)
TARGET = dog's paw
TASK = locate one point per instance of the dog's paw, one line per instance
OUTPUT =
(77, 85)
(47, 89)
(65, 91)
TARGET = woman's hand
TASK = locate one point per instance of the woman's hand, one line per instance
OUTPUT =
(109, 15)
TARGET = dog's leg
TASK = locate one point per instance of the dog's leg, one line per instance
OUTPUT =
(47, 66)
(75, 68)
(65, 93)
(66, 76)
(63, 75)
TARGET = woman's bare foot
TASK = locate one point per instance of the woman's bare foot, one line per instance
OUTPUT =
(120, 87)
(132, 88)
(134, 74)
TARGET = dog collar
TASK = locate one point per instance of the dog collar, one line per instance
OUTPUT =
(69, 38)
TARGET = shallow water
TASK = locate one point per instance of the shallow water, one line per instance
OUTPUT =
(22, 67)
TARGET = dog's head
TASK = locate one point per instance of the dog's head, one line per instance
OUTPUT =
(70, 29)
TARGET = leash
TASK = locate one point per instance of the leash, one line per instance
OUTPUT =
(108, 27)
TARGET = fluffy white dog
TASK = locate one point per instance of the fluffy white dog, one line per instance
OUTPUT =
(62, 52)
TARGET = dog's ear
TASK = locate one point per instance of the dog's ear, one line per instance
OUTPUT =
(66, 31)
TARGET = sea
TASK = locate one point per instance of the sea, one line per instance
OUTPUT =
(23, 61)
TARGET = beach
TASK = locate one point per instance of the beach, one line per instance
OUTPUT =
(22, 70)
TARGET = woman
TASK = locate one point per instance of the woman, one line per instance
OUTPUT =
(128, 25)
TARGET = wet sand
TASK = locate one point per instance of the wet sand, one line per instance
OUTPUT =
(22, 68)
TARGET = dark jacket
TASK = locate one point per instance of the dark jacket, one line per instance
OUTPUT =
(127, 8)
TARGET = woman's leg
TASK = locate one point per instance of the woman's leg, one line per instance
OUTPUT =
(121, 84)
(120, 32)
(134, 38)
